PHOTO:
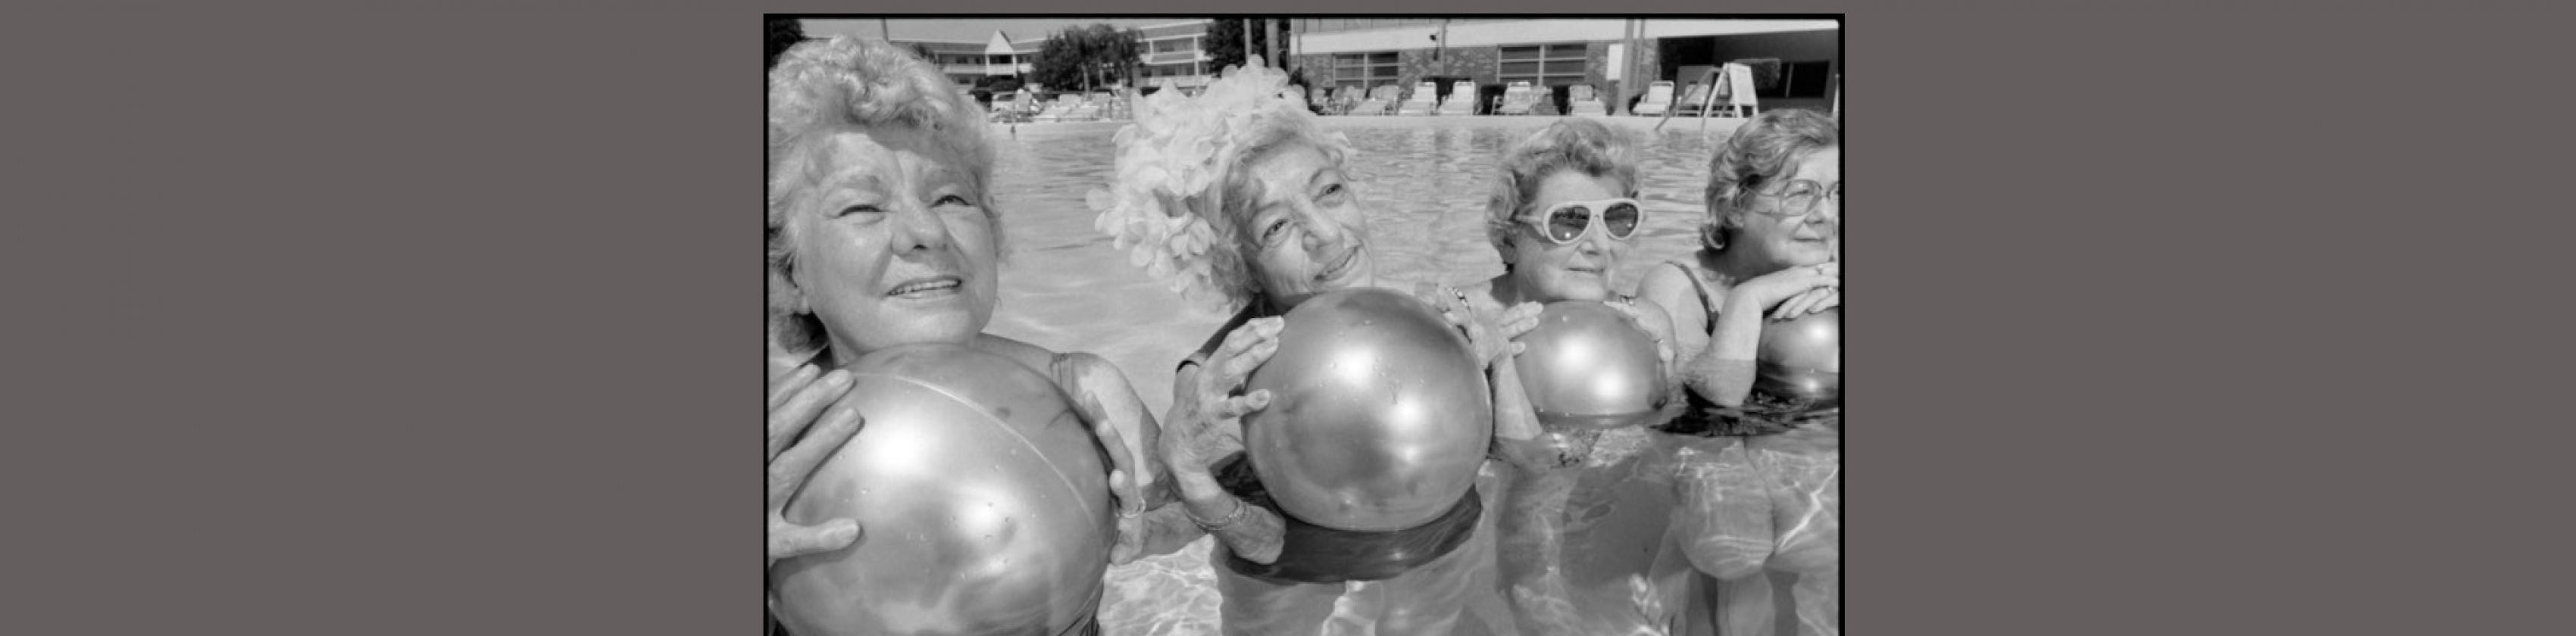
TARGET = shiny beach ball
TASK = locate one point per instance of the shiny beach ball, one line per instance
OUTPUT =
(1803, 358)
(982, 500)
(1378, 416)
(1588, 367)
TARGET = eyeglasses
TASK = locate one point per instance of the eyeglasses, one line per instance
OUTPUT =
(1801, 197)
(1565, 223)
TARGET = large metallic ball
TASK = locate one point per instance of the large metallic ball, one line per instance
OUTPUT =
(1589, 367)
(983, 504)
(1803, 358)
(1378, 416)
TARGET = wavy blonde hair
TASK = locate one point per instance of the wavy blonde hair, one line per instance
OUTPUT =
(1582, 145)
(823, 87)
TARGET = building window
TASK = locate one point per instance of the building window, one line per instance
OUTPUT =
(1541, 64)
(1364, 70)
(1802, 80)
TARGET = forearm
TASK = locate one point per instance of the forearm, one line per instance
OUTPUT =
(1723, 370)
(1253, 533)
(1167, 529)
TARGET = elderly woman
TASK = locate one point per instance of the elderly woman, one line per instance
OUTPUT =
(881, 232)
(1760, 483)
(1577, 529)
(1237, 195)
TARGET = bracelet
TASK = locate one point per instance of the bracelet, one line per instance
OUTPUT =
(1230, 518)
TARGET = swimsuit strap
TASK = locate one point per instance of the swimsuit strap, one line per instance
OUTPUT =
(1701, 288)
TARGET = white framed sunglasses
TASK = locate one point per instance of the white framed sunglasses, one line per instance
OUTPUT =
(1567, 222)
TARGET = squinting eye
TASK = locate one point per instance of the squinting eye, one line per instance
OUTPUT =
(1273, 230)
(953, 200)
(863, 208)
(1332, 192)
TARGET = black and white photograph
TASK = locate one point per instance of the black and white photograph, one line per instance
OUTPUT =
(1395, 326)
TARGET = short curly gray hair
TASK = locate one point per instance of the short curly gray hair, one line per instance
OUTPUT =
(1569, 144)
(1757, 153)
(823, 87)
(1232, 267)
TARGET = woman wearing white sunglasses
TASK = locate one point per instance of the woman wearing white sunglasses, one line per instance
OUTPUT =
(1758, 485)
(1573, 545)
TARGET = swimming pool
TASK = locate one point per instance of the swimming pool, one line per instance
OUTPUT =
(1424, 182)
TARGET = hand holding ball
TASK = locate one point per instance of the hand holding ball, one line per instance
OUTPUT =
(1379, 414)
(1589, 367)
(984, 499)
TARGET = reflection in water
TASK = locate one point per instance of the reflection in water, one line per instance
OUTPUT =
(1064, 286)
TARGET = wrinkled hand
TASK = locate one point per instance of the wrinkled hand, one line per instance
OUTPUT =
(1209, 417)
(1126, 479)
(1773, 291)
(1807, 302)
(1663, 343)
(1493, 338)
(795, 396)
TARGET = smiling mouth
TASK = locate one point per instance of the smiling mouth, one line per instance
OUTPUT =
(1340, 265)
(927, 287)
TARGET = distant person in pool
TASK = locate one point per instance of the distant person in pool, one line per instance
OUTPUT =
(1759, 487)
(1237, 195)
(882, 232)
(1576, 549)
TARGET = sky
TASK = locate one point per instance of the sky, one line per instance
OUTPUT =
(971, 30)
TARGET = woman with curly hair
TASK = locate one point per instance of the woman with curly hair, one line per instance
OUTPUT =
(1236, 196)
(882, 231)
(1759, 481)
(1577, 530)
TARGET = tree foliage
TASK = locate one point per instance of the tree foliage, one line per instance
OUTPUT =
(1224, 41)
(1087, 57)
(783, 33)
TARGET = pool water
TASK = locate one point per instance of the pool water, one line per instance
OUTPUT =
(1424, 183)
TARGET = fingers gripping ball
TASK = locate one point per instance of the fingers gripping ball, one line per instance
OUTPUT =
(1802, 359)
(1378, 417)
(1588, 367)
(984, 500)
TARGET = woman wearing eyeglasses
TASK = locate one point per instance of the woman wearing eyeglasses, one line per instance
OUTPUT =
(1757, 485)
(1574, 545)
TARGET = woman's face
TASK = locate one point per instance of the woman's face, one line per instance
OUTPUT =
(1548, 272)
(892, 245)
(1305, 227)
(1783, 236)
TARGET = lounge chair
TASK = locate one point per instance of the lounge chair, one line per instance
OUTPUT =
(1740, 99)
(1462, 99)
(1378, 101)
(1658, 100)
(1587, 104)
(1054, 111)
(1089, 109)
(1516, 99)
(1425, 98)
(1693, 102)
(1009, 109)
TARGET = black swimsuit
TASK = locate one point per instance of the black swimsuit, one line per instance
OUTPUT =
(1772, 406)
(1310, 553)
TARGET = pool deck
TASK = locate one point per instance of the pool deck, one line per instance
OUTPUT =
(1677, 125)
